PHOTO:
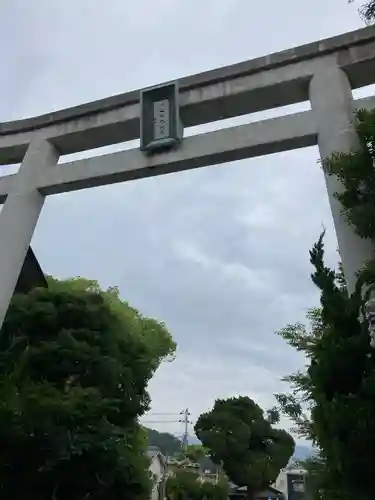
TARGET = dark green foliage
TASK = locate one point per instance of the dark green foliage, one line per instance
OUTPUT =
(184, 485)
(297, 404)
(336, 347)
(356, 172)
(341, 352)
(73, 380)
(241, 438)
(317, 485)
(153, 334)
(333, 400)
(217, 491)
(194, 453)
(342, 369)
(168, 444)
(342, 378)
(209, 491)
(367, 11)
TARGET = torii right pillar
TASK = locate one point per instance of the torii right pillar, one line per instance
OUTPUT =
(333, 111)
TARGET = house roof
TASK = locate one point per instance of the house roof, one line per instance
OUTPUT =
(265, 493)
(153, 452)
(261, 494)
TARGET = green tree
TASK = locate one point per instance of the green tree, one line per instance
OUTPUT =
(186, 485)
(73, 383)
(367, 11)
(195, 452)
(183, 485)
(154, 334)
(219, 491)
(338, 385)
(342, 374)
(240, 437)
(304, 404)
(342, 368)
(297, 404)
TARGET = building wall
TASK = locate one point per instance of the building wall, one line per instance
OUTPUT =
(281, 483)
(208, 478)
(157, 470)
(296, 486)
(291, 483)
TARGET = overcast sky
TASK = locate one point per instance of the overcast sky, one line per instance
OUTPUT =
(219, 254)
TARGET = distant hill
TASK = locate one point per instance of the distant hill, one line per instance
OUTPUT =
(167, 443)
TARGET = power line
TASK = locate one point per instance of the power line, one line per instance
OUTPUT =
(185, 420)
(160, 421)
(151, 413)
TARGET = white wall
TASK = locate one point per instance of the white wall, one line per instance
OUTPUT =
(156, 469)
(281, 483)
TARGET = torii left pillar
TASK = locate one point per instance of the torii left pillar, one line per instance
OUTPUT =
(20, 215)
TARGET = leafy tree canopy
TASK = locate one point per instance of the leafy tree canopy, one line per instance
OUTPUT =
(338, 385)
(154, 334)
(367, 11)
(195, 452)
(342, 384)
(185, 485)
(342, 368)
(74, 369)
(240, 437)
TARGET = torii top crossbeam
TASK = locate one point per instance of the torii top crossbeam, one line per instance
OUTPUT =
(267, 82)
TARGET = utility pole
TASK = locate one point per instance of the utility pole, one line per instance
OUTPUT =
(185, 420)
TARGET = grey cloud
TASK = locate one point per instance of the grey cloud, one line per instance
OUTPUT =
(220, 254)
(224, 297)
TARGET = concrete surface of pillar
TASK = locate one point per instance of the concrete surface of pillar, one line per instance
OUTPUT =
(332, 105)
(19, 217)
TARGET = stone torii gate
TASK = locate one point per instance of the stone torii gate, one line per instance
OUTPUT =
(323, 72)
